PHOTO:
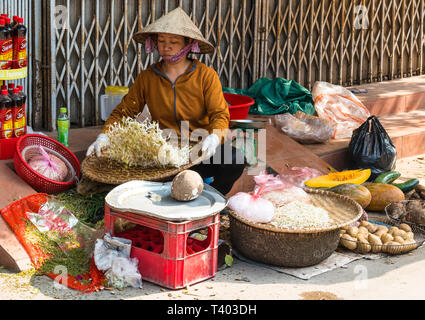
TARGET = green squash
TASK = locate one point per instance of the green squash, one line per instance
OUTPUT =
(357, 192)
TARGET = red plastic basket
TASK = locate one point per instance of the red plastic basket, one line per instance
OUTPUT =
(167, 255)
(238, 105)
(33, 178)
(7, 148)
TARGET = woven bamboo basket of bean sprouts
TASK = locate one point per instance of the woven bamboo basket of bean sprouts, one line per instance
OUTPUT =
(139, 151)
(268, 244)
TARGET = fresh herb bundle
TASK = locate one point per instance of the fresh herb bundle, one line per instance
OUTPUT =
(87, 209)
(62, 248)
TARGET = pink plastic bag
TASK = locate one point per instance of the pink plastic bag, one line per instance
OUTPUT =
(279, 192)
(298, 175)
(48, 165)
(269, 182)
(340, 106)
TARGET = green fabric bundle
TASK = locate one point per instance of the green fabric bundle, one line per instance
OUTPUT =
(275, 96)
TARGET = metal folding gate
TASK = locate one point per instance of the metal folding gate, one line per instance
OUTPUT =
(93, 49)
(87, 44)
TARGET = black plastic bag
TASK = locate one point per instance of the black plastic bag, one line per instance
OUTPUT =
(371, 148)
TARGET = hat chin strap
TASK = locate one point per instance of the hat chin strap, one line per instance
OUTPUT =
(193, 47)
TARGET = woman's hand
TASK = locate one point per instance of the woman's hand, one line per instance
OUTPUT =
(209, 145)
(101, 142)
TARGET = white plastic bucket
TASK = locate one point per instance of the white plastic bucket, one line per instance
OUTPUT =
(112, 97)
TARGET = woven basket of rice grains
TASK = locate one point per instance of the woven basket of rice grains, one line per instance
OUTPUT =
(291, 247)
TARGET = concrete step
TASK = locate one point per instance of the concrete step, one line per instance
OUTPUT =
(406, 130)
(395, 96)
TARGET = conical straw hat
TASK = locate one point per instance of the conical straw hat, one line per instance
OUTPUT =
(175, 22)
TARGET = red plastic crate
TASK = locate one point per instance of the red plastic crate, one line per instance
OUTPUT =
(238, 105)
(7, 148)
(170, 258)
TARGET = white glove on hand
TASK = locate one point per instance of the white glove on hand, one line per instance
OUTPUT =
(101, 142)
(209, 145)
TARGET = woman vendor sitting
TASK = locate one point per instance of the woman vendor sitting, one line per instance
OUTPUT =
(178, 89)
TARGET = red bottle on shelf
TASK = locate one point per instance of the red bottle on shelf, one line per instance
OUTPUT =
(20, 45)
(18, 112)
(14, 22)
(23, 95)
(6, 116)
(10, 88)
(8, 27)
(6, 46)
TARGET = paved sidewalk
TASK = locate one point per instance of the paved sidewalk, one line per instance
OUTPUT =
(395, 277)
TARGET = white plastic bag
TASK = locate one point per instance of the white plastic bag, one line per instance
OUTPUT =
(108, 249)
(112, 255)
(251, 207)
(123, 273)
(340, 106)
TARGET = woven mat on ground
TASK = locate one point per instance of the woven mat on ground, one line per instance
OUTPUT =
(336, 260)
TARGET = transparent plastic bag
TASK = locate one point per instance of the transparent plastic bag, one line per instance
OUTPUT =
(304, 128)
(63, 237)
(340, 106)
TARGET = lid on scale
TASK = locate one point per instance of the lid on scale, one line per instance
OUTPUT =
(154, 199)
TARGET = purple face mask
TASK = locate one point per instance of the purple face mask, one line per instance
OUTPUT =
(193, 47)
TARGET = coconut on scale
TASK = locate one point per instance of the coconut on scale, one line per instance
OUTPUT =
(187, 186)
